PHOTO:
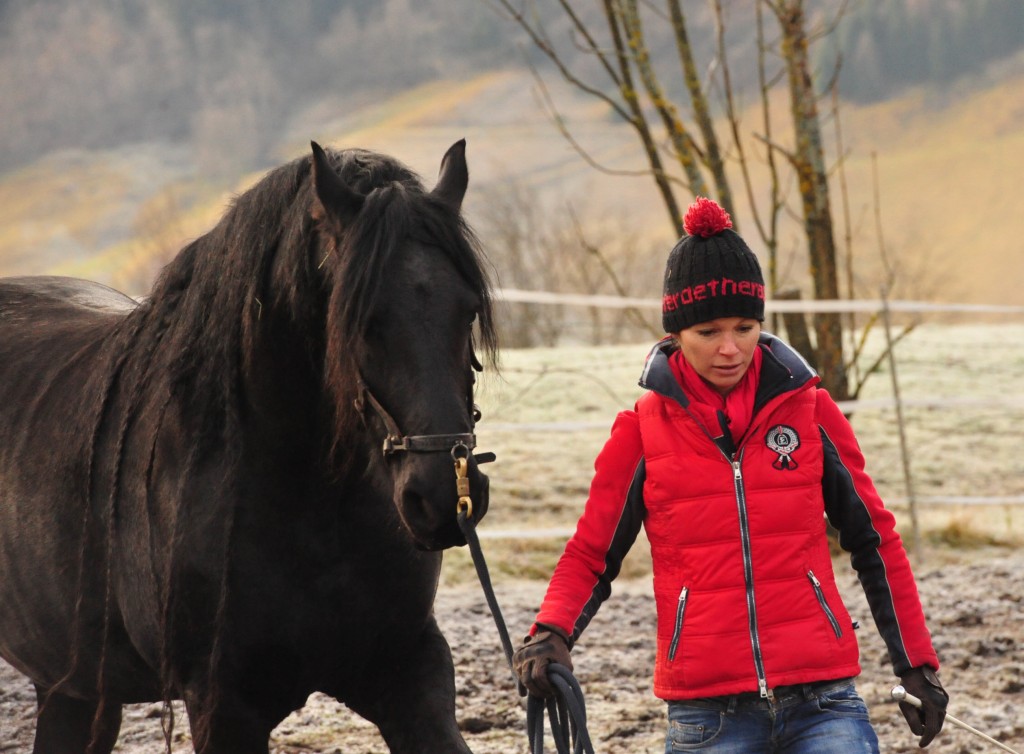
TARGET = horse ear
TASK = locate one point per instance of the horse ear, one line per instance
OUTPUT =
(334, 194)
(454, 176)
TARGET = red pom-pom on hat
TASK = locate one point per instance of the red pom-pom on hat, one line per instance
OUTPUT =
(705, 218)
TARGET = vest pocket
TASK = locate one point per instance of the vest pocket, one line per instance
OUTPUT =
(677, 631)
(816, 585)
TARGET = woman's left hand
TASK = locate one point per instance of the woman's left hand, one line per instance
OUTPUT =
(925, 721)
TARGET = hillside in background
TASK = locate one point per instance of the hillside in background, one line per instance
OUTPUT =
(226, 75)
(128, 182)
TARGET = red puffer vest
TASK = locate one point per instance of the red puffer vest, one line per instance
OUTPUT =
(743, 580)
(743, 577)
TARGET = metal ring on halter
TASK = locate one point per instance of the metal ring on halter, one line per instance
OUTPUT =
(461, 450)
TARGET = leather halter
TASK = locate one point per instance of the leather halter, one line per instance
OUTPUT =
(458, 444)
(395, 441)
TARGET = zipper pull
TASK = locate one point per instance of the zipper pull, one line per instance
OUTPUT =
(736, 470)
(766, 693)
(813, 578)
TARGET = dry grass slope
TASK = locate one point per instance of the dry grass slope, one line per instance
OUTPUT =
(947, 172)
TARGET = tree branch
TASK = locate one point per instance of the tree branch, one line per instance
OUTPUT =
(639, 120)
(712, 153)
(543, 44)
(677, 133)
(559, 123)
(635, 314)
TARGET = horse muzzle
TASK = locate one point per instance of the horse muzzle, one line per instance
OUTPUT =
(430, 510)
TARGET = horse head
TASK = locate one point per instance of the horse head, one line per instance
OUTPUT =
(407, 301)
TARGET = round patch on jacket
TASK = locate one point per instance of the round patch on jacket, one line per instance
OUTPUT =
(783, 440)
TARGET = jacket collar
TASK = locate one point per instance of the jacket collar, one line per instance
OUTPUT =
(783, 370)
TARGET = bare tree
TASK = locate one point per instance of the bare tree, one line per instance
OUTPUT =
(683, 160)
(808, 160)
(534, 245)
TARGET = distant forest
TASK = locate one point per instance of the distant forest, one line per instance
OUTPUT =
(888, 46)
(225, 75)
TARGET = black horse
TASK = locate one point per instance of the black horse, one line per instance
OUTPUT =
(194, 501)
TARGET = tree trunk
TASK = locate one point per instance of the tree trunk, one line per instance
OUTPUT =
(809, 162)
(795, 323)
(701, 110)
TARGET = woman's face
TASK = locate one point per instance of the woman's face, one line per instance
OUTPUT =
(720, 350)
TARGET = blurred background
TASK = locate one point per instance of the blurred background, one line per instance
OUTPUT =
(128, 127)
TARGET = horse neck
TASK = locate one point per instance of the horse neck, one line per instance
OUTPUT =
(281, 383)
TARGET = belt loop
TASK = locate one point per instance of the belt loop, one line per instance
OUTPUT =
(808, 692)
(733, 701)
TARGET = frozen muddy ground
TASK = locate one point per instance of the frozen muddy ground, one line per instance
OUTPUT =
(974, 607)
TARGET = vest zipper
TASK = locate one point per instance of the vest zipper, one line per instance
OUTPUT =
(748, 576)
(824, 605)
(680, 611)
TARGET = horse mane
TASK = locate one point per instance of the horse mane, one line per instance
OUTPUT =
(266, 252)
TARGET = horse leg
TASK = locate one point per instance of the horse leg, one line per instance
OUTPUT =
(412, 698)
(229, 727)
(66, 725)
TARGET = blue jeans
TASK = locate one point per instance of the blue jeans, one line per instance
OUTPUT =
(814, 718)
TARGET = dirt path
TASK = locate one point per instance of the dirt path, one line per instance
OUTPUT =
(975, 611)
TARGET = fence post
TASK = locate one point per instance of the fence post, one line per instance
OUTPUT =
(917, 551)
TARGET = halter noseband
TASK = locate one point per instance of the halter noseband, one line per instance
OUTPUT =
(395, 441)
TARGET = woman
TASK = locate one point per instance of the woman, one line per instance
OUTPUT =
(732, 461)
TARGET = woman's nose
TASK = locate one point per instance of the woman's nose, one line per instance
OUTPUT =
(728, 346)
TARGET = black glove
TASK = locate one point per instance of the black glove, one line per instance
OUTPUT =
(926, 721)
(530, 662)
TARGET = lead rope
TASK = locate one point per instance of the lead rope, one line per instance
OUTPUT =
(566, 710)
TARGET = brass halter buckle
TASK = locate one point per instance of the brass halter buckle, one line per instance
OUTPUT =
(460, 455)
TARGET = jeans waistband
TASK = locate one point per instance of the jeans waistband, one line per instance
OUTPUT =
(785, 696)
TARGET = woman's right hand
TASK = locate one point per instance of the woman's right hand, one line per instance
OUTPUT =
(530, 661)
